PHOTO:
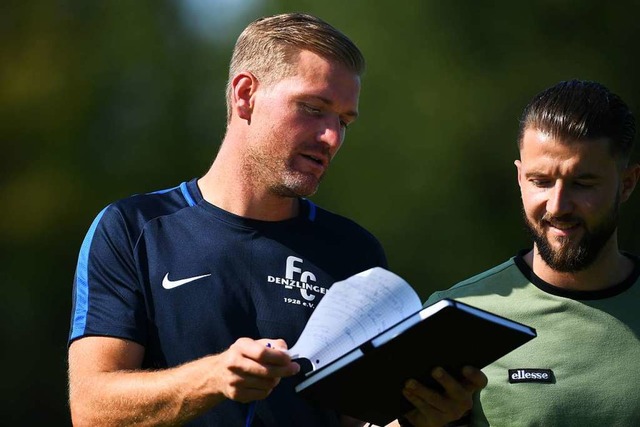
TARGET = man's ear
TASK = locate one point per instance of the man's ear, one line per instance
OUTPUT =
(518, 164)
(630, 178)
(244, 86)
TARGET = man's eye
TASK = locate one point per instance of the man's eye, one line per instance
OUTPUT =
(542, 183)
(583, 184)
(310, 109)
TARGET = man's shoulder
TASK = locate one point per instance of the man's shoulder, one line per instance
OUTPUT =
(165, 200)
(489, 282)
(138, 209)
(492, 274)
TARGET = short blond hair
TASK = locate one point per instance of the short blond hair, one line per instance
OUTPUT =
(268, 48)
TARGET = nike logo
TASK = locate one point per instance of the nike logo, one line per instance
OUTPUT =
(170, 284)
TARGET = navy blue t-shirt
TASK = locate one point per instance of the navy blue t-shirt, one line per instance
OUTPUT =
(185, 279)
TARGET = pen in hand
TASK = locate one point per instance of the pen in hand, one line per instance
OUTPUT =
(252, 405)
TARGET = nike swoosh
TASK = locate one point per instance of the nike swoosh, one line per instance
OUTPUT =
(170, 284)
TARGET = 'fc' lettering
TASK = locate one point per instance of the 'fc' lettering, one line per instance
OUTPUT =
(305, 276)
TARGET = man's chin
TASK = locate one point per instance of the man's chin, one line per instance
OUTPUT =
(562, 249)
(305, 185)
(299, 189)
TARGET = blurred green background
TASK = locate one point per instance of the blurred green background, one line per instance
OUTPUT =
(101, 100)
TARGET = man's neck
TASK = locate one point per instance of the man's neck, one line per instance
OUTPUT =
(225, 188)
(609, 269)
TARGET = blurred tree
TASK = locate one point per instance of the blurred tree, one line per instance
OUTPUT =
(429, 165)
(99, 100)
(102, 100)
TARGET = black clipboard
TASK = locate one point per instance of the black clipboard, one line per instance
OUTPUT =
(366, 382)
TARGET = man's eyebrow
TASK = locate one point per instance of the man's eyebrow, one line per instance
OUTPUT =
(588, 176)
(351, 114)
(585, 175)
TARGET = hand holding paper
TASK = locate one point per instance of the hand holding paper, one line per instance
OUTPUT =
(363, 336)
(353, 311)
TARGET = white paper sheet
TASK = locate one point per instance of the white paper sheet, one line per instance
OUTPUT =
(353, 311)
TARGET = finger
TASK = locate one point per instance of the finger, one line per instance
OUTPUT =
(275, 354)
(425, 414)
(458, 392)
(259, 370)
(448, 405)
(250, 388)
(261, 350)
(457, 397)
(423, 398)
(274, 343)
(254, 357)
(475, 379)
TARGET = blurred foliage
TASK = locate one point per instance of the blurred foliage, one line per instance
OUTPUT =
(100, 100)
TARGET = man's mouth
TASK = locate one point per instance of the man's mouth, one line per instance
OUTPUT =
(563, 225)
(318, 160)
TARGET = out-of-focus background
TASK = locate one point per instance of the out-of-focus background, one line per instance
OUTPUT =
(101, 100)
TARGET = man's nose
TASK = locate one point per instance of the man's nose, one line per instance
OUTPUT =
(559, 201)
(332, 134)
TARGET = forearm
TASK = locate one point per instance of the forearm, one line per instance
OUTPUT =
(141, 398)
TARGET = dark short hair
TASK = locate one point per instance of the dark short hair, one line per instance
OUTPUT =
(578, 110)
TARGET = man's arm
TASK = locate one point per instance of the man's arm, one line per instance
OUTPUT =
(107, 386)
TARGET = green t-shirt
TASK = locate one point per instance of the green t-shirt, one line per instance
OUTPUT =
(583, 368)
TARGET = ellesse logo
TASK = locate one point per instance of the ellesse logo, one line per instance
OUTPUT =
(523, 375)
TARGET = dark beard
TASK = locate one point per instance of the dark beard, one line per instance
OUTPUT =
(574, 257)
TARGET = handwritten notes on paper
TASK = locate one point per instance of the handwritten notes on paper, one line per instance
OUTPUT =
(353, 311)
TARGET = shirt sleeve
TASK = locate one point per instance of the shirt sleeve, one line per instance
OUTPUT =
(107, 296)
